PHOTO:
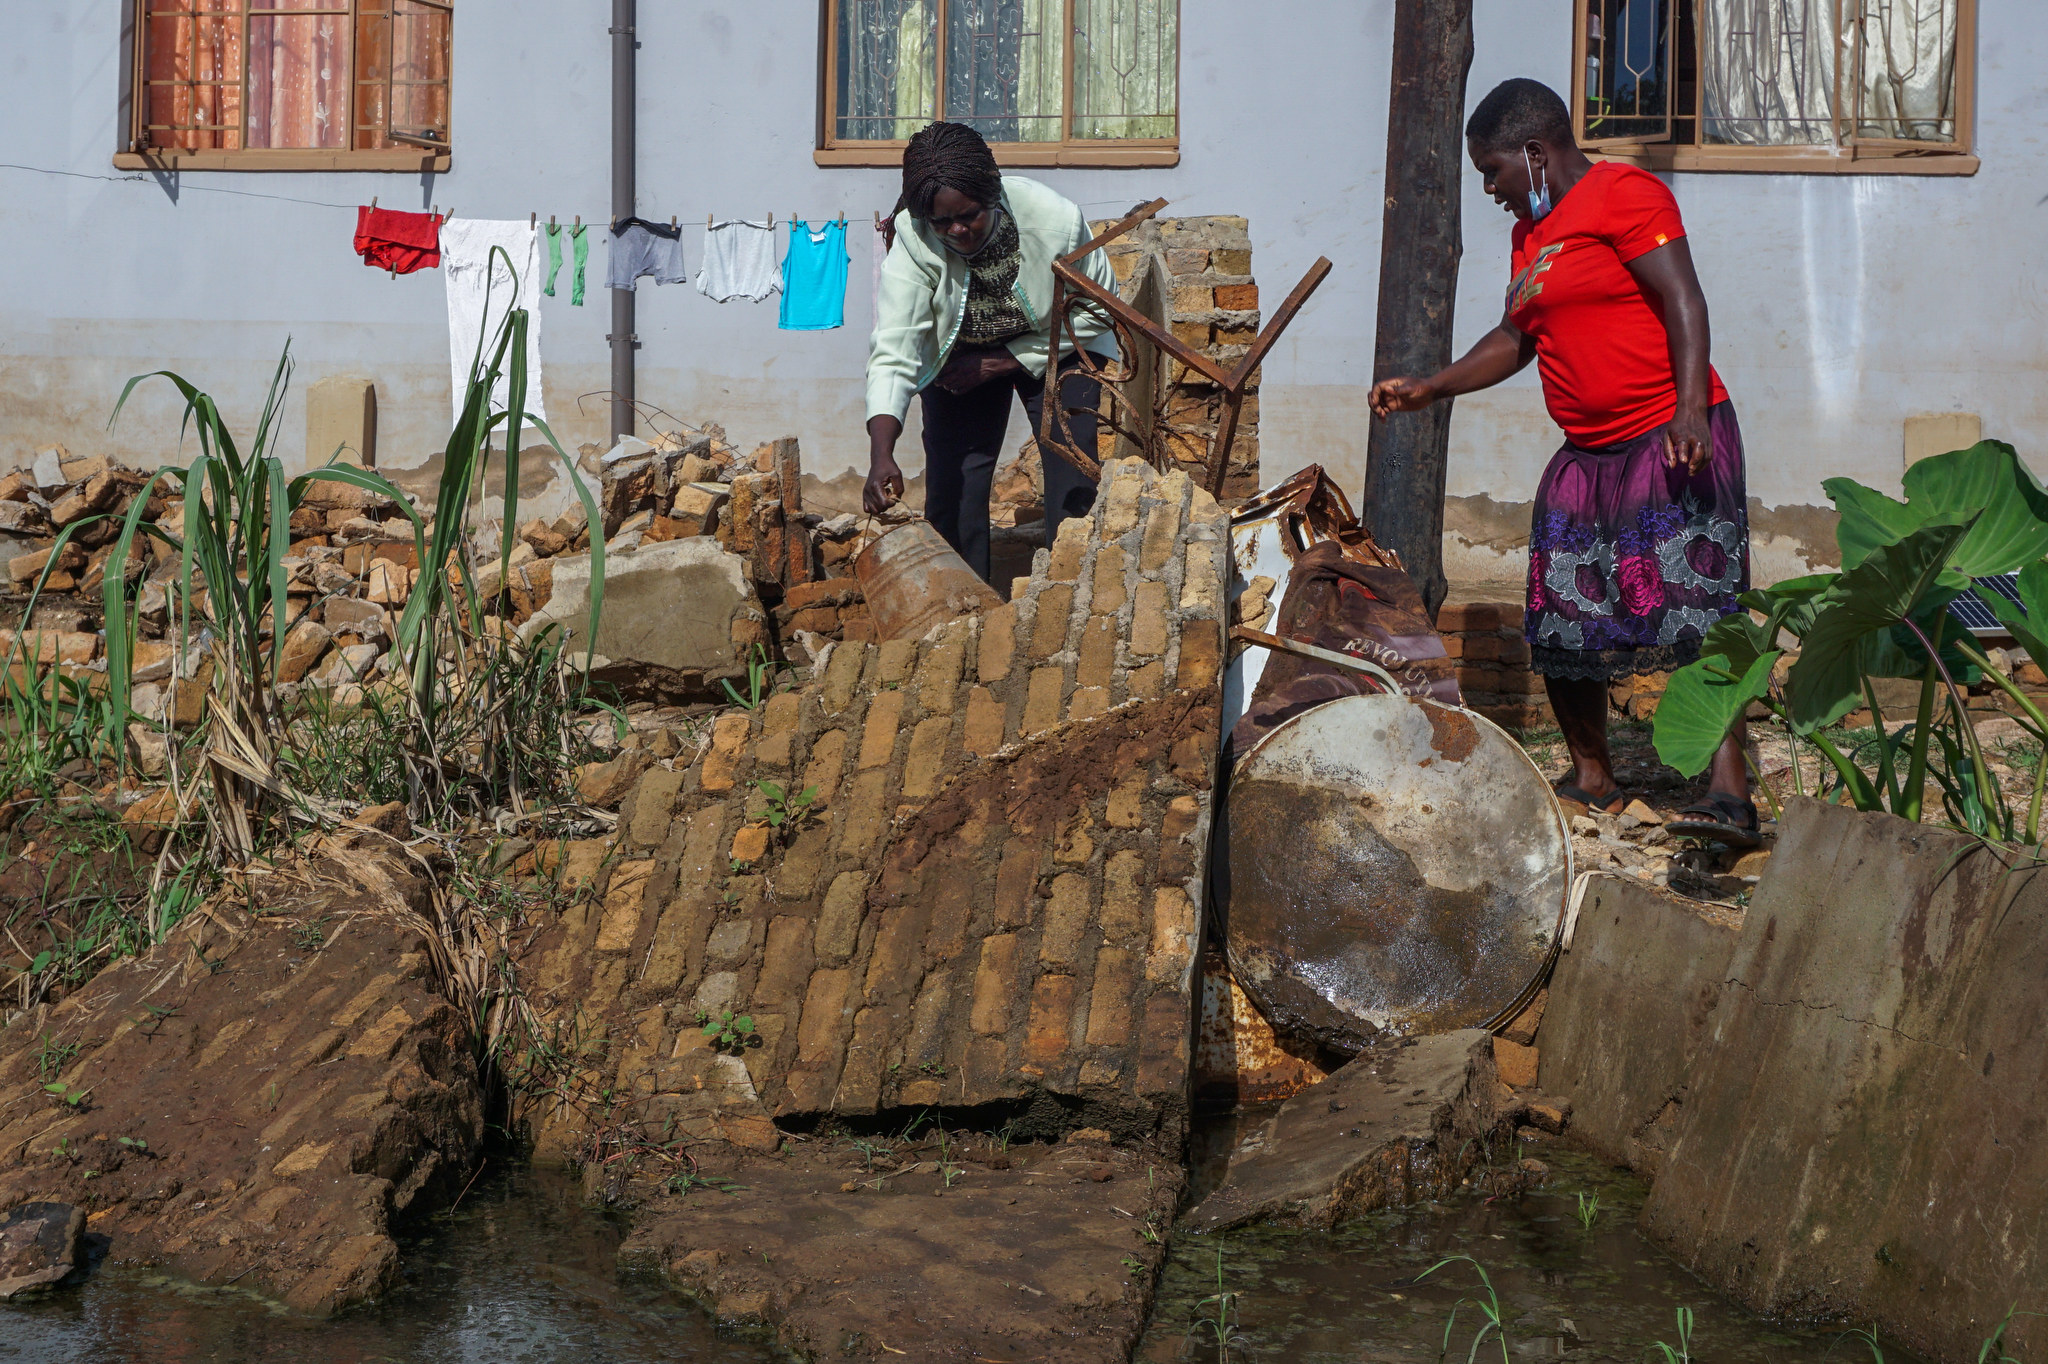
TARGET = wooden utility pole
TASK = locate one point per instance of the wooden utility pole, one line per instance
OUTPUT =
(1420, 244)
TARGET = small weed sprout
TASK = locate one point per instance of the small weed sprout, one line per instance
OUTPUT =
(1588, 1211)
(785, 813)
(683, 1183)
(870, 1149)
(1132, 1263)
(729, 1032)
(65, 1095)
(52, 1056)
(134, 1144)
(759, 675)
(1216, 1317)
(1489, 1307)
(1682, 1352)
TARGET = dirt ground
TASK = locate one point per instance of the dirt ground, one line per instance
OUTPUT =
(837, 1248)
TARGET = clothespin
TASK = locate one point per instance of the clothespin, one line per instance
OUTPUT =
(578, 229)
(373, 204)
(532, 221)
(672, 220)
(842, 217)
(878, 217)
(552, 229)
(708, 223)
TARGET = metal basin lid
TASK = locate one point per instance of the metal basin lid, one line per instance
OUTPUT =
(1390, 865)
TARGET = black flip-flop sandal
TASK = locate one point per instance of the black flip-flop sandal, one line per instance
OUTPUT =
(1575, 795)
(1722, 822)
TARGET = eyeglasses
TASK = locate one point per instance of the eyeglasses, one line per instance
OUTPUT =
(957, 220)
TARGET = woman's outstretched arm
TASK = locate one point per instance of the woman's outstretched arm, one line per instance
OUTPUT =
(1501, 353)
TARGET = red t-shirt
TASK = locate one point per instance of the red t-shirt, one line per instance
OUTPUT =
(1600, 341)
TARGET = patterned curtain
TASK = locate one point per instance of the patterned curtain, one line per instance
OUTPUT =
(1126, 68)
(888, 71)
(1768, 71)
(1003, 67)
(192, 61)
(298, 75)
(402, 60)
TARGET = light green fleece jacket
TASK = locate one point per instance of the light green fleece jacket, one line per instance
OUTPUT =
(923, 296)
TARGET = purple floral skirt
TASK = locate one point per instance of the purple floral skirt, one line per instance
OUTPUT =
(1630, 561)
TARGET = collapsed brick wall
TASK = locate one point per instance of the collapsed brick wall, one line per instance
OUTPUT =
(1485, 637)
(999, 894)
(1194, 277)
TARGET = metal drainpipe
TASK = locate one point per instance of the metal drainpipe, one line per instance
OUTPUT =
(625, 42)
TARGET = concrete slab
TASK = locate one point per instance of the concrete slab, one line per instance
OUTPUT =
(1395, 1125)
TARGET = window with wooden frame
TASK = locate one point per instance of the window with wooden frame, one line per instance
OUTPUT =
(1842, 86)
(1047, 82)
(289, 84)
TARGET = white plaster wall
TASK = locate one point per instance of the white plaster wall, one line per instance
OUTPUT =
(1841, 304)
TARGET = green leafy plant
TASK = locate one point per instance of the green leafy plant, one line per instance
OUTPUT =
(760, 677)
(52, 1056)
(1967, 514)
(729, 1032)
(1216, 1316)
(785, 813)
(1488, 1307)
(65, 1095)
(1682, 1352)
(1587, 1211)
(688, 1180)
(134, 1144)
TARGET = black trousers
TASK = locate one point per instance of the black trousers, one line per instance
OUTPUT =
(963, 438)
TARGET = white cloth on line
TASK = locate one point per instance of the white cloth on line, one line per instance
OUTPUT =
(481, 291)
(739, 262)
(881, 254)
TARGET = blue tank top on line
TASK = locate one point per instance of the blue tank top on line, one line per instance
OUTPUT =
(814, 278)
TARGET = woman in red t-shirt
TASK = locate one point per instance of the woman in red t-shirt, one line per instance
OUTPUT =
(1641, 538)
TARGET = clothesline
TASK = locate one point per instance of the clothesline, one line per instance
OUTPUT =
(184, 188)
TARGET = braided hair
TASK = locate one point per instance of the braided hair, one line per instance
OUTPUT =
(947, 156)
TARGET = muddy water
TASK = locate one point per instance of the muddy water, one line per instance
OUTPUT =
(521, 1273)
(1565, 1292)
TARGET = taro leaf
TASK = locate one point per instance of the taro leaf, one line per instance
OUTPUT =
(2026, 626)
(1988, 478)
(1703, 701)
(1791, 602)
(1885, 589)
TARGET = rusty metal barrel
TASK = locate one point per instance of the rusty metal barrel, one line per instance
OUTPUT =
(913, 580)
(1390, 866)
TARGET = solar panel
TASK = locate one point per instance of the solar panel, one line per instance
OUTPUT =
(1975, 616)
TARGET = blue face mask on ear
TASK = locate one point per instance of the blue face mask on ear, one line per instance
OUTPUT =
(1539, 195)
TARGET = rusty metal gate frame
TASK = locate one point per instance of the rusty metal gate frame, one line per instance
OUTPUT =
(1072, 290)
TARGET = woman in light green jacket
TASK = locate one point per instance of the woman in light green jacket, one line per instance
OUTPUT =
(963, 321)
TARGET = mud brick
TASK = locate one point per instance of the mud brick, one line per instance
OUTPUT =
(623, 899)
(1146, 683)
(1162, 535)
(1482, 647)
(1075, 844)
(1195, 334)
(1163, 1044)
(1052, 1019)
(1514, 649)
(677, 932)
(1191, 759)
(785, 961)
(953, 904)
(1016, 884)
(1126, 805)
(1109, 580)
(1109, 1003)
(867, 813)
(927, 1040)
(1176, 856)
(998, 642)
(1172, 945)
(1190, 299)
(1097, 667)
(894, 660)
(1522, 1030)
(983, 733)
(1454, 646)
(1087, 702)
(895, 960)
(860, 1079)
(1042, 702)
(839, 921)
(938, 677)
(984, 1074)
(830, 592)
(653, 805)
(828, 759)
(878, 739)
(1515, 1063)
(817, 1030)
(719, 771)
(1201, 652)
(1120, 506)
(1459, 617)
(1055, 604)
(1202, 588)
(994, 984)
(1231, 262)
(842, 676)
(1123, 910)
(1187, 261)
(1513, 682)
(1149, 620)
(926, 760)
(1066, 920)
(750, 844)
(1237, 298)
(24, 567)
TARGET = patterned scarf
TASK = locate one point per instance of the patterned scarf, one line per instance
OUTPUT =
(993, 312)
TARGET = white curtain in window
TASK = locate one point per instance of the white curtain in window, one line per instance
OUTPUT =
(1768, 71)
(887, 68)
(1126, 68)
